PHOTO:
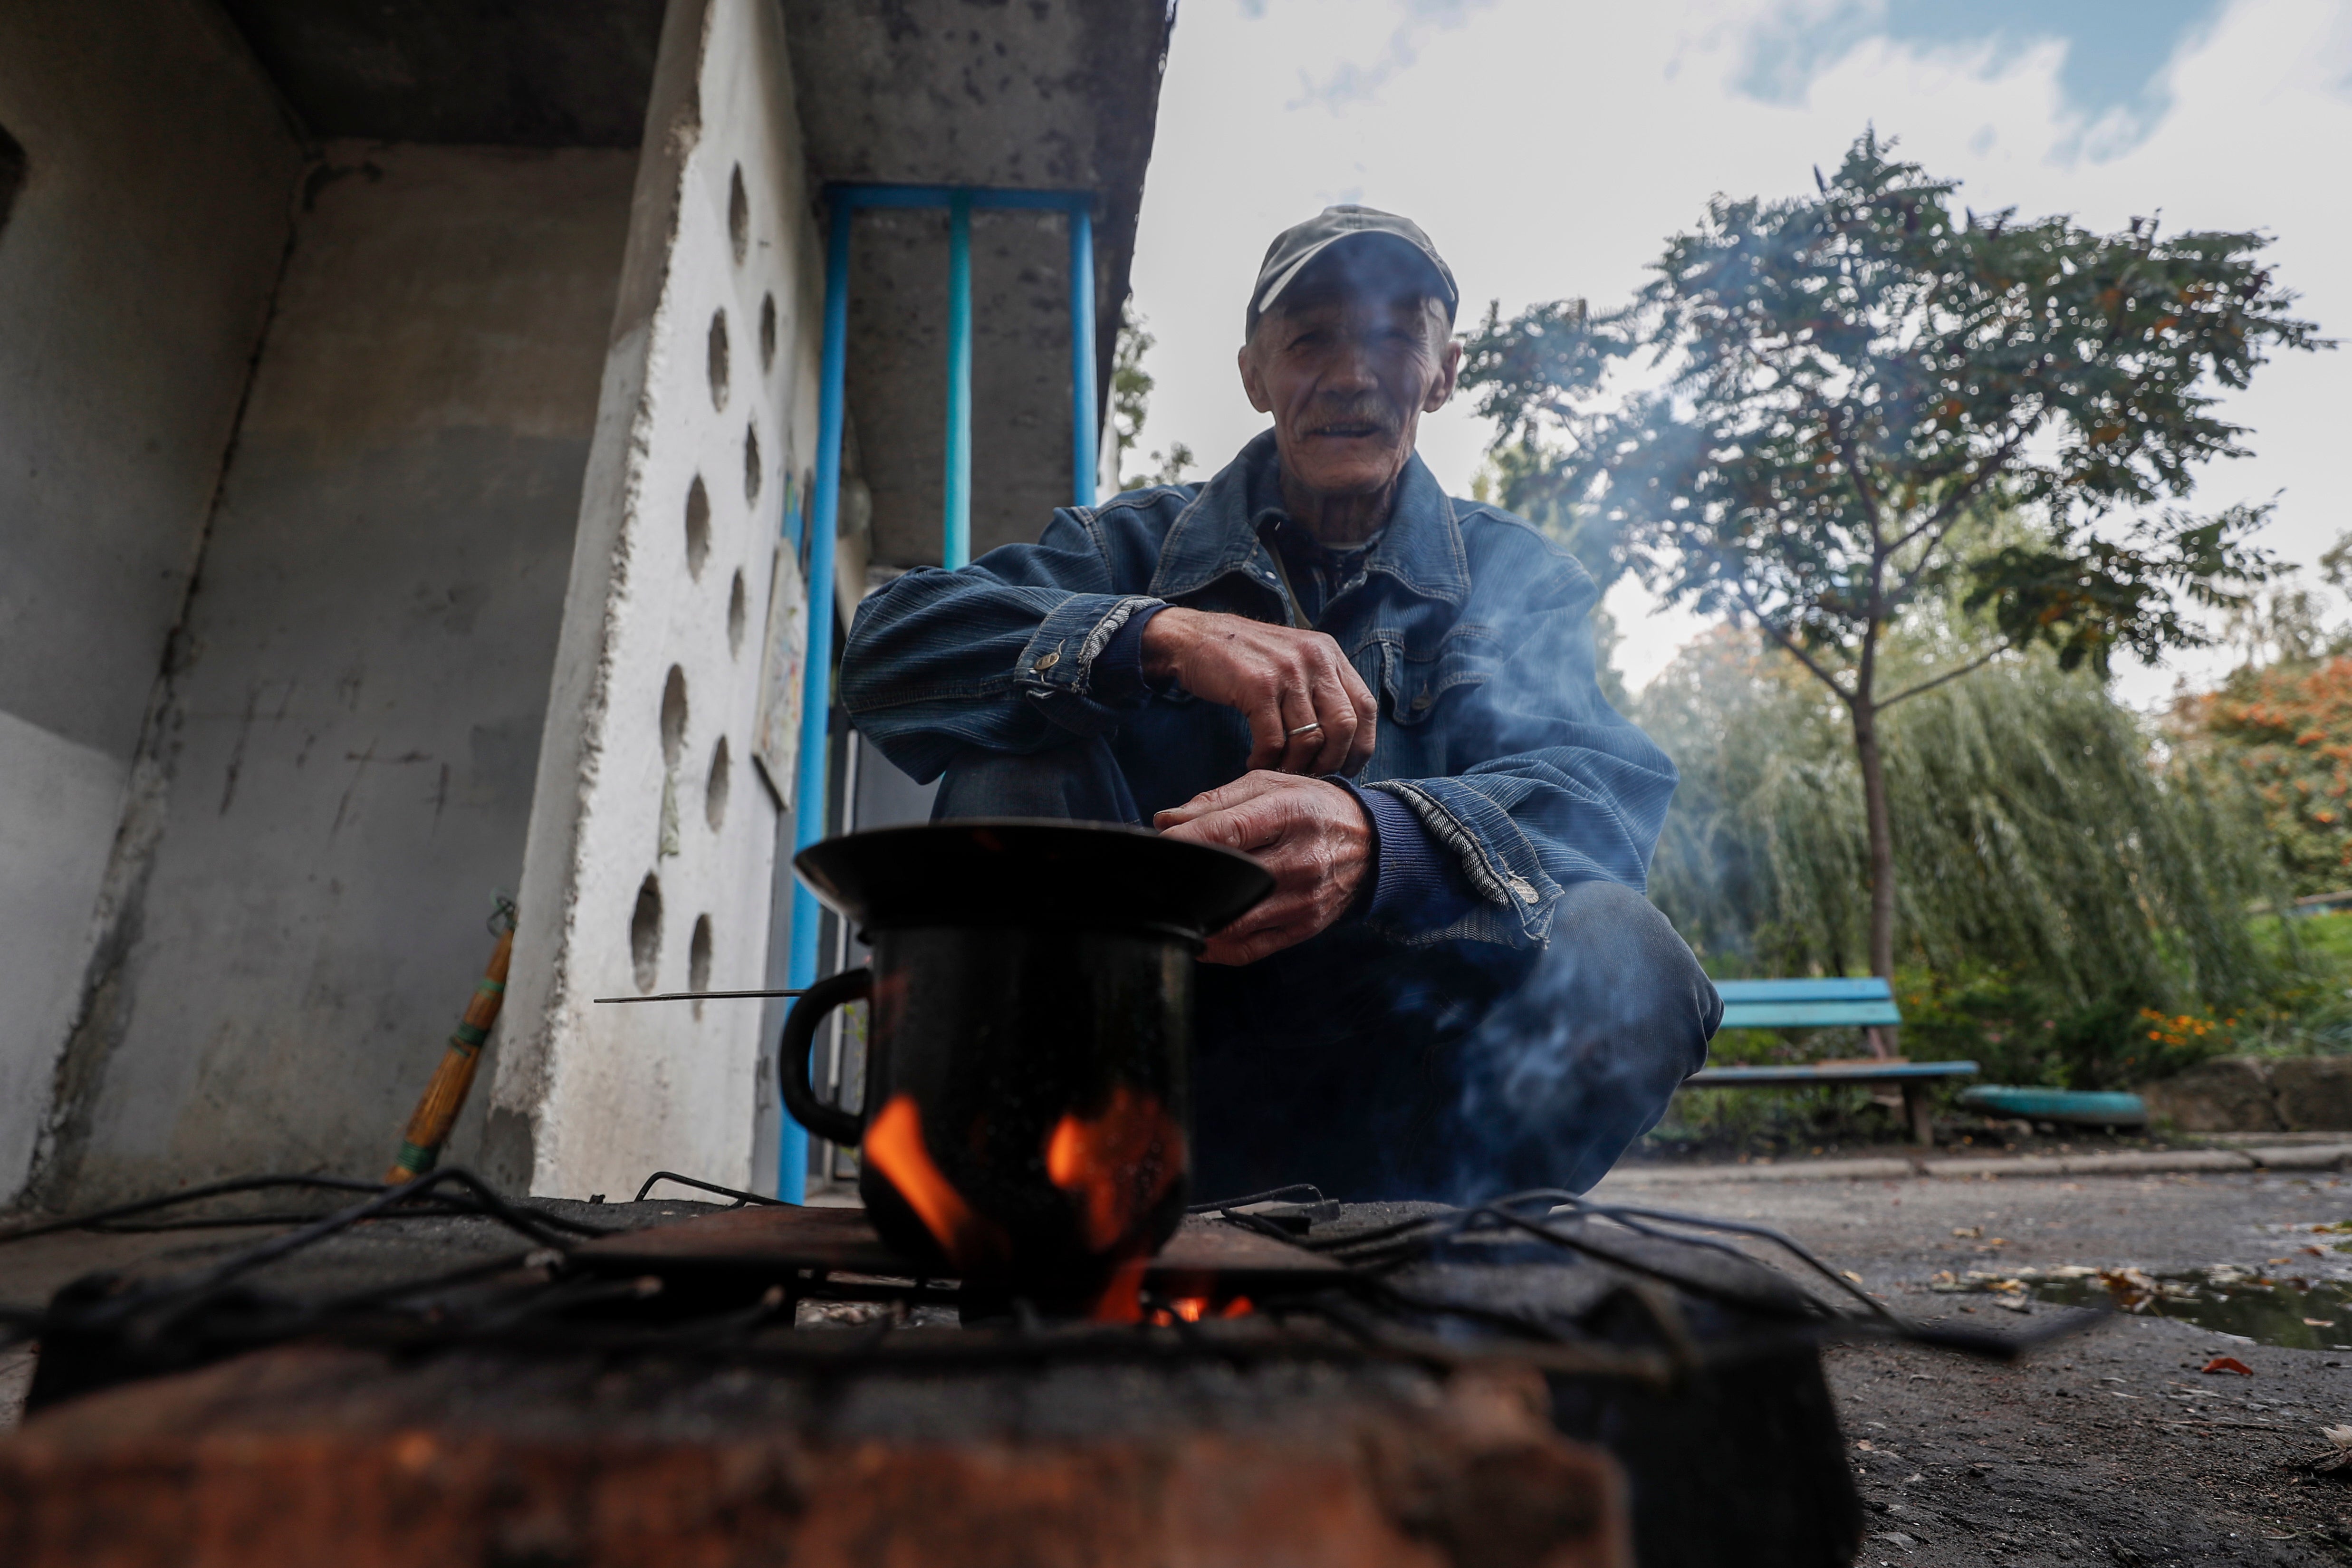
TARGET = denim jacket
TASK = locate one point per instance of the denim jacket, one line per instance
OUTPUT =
(1472, 629)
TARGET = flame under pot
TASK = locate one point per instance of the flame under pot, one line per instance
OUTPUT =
(1029, 1101)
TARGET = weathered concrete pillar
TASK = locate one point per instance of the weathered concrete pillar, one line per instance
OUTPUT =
(653, 835)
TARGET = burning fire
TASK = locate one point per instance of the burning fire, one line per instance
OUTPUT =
(1119, 1165)
(1192, 1309)
(894, 1142)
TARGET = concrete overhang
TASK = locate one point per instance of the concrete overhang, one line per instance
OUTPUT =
(1028, 94)
(525, 73)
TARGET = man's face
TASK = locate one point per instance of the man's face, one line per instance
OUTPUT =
(1347, 363)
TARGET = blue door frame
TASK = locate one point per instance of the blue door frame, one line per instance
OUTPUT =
(810, 803)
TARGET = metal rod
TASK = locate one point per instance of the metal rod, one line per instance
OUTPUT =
(809, 795)
(957, 545)
(1085, 451)
(827, 1152)
(697, 996)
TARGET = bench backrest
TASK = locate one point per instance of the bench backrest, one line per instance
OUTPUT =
(1807, 1004)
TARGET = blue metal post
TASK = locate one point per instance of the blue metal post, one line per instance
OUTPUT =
(809, 794)
(957, 521)
(1083, 449)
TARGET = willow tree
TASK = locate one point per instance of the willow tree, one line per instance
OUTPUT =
(1854, 381)
(2052, 872)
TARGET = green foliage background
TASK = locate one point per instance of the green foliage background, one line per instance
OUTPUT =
(2283, 731)
(2067, 901)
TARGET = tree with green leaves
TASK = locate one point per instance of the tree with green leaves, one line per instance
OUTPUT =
(1847, 391)
(1130, 405)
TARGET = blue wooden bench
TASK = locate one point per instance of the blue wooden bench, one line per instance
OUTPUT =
(1820, 1004)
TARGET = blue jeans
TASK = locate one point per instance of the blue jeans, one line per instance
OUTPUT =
(1455, 1070)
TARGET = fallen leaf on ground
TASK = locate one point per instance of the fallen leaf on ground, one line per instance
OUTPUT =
(2339, 1435)
(2132, 1290)
(2228, 1363)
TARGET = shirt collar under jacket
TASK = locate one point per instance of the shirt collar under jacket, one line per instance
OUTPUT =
(1420, 548)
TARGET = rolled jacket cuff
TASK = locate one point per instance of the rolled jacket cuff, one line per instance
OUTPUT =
(1057, 668)
(1512, 896)
(1119, 678)
(1416, 884)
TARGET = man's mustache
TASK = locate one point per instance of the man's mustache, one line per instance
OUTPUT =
(1353, 419)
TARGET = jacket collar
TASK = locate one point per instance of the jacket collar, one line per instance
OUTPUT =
(1217, 534)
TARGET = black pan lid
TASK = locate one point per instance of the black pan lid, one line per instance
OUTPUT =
(1000, 871)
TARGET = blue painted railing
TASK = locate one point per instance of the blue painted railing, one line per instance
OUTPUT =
(810, 803)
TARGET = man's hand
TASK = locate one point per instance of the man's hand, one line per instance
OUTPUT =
(1282, 680)
(1311, 835)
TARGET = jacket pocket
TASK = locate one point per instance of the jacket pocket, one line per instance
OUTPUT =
(1416, 687)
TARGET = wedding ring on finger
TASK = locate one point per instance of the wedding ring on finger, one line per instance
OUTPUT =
(1307, 729)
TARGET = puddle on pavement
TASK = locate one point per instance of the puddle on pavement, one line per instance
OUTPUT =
(2271, 1309)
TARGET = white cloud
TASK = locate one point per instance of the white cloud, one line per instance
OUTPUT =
(1549, 148)
(1350, 82)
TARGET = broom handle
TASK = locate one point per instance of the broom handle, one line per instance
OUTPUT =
(437, 1112)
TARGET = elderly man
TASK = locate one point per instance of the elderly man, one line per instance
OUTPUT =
(1384, 695)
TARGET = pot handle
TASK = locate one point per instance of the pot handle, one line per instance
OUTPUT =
(792, 1055)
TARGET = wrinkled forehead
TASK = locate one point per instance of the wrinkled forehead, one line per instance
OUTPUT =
(1372, 271)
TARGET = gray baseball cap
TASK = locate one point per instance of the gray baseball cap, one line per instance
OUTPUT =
(1295, 246)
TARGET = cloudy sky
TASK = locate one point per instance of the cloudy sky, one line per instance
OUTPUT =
(1550, 146)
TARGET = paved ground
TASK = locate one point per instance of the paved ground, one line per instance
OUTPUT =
(2112, 1448)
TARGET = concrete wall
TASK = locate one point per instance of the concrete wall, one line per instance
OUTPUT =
(351, 731)
(590, 1098)
(136, 265)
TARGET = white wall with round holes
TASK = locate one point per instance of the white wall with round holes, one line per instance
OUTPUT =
(655, 872)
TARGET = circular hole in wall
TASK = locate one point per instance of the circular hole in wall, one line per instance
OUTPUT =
(739, 214)
(714, 794)
(644, 933)
(697, 526)
(736, 609)
(673, 716)
(751, 464)
(767, 332)
(718, 358)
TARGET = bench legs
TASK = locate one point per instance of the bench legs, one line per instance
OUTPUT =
(1919, 1114)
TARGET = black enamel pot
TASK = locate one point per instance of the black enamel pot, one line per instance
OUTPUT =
(1027, 1112)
